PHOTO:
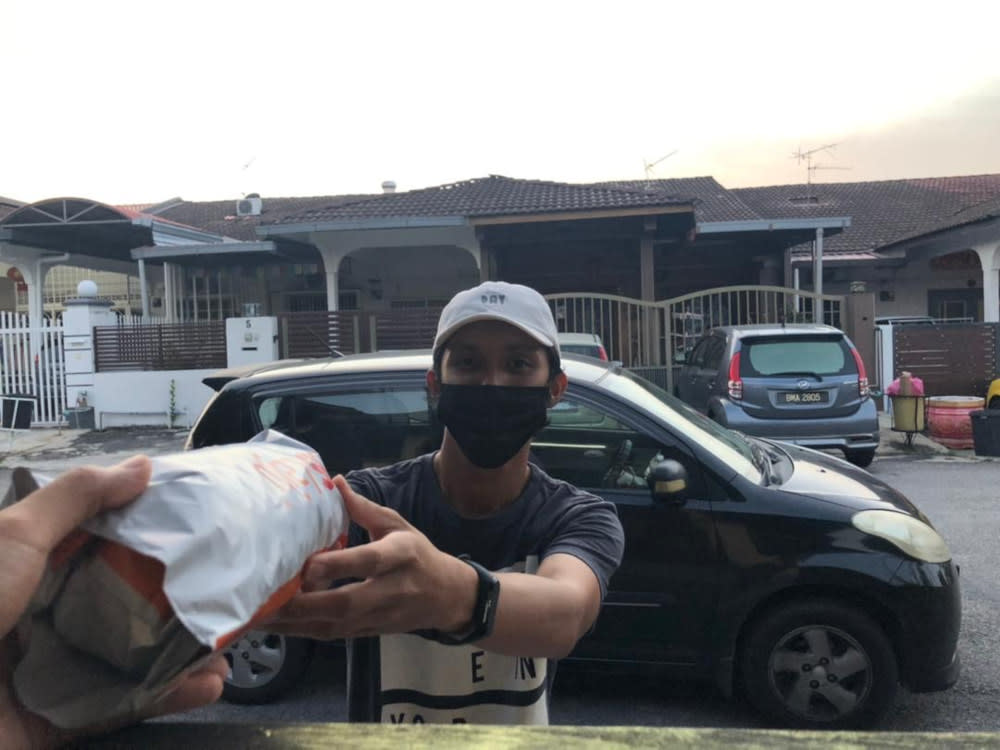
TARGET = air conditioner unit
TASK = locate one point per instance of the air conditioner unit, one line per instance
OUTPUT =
(249, 206)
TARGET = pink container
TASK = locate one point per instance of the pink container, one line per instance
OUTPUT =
(948, 420)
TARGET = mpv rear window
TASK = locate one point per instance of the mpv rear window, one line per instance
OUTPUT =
(773, 356)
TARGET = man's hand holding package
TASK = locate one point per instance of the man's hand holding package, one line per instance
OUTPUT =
(404, 584)
(29, 531)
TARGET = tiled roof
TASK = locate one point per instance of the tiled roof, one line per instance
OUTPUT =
(988, 209)
(219, 217)
(488, 196)
(712, 201)
(882, 213)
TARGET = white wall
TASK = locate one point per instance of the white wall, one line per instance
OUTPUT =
(121, 396)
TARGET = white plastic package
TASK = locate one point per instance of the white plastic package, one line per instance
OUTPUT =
(216, 542)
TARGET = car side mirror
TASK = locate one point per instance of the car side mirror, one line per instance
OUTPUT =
(668, 481)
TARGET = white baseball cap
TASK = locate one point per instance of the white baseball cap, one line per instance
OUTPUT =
(521, 306)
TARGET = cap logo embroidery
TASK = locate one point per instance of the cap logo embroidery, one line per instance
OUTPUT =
(493, 299)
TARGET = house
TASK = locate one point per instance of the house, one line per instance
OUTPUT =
(909, 242)
(923, 246)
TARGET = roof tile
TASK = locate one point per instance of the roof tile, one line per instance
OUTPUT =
(712, 201)
(883, 212)
(488, 196)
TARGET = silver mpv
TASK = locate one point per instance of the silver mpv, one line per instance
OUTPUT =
(800, 383)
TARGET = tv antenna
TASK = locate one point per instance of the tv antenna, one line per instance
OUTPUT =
(807, 157)
(647, 166)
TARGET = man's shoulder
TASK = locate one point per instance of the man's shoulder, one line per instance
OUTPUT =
(558, 490)
(397, 473)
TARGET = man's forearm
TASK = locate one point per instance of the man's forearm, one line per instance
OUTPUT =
(544, 616)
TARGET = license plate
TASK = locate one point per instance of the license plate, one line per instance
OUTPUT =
(803, 397)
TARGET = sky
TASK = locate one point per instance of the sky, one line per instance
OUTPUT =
(138, 102)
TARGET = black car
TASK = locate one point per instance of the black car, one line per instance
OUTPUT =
(773, 570)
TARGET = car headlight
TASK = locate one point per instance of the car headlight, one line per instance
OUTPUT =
(910, 534)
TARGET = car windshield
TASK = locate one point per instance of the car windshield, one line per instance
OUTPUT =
(725, 444)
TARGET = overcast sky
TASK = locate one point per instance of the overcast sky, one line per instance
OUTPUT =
(133, 102)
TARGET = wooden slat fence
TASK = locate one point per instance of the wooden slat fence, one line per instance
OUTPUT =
(177, 346)
(403, 329)
(953, 359)
(319, 334)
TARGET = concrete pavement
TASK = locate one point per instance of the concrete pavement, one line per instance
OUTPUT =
(52, 450)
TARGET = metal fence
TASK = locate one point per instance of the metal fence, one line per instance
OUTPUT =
(646, 336)
(32, 365)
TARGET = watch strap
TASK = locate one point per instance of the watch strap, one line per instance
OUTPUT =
(485, 611)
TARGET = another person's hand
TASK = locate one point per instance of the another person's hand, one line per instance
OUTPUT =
(29, 531)
(403, 582)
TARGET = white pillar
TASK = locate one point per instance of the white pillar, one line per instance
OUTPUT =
(332, 289)
(143, 292)
(79, 319)
(169, 294)
(989, 259)
(647, 290)
(818, 275)
(194, 298)
(818, 262)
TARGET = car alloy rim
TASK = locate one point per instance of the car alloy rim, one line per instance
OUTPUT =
(255, 659)
(820, 673)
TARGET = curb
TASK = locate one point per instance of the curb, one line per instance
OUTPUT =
(893, 444)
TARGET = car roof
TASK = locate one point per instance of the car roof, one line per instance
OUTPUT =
(777, 329)
(578, 367)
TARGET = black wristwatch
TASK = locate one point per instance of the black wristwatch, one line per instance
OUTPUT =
(485, 613)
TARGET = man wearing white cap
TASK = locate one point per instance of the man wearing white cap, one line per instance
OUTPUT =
(472, 569)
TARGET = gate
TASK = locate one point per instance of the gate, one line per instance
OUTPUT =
(32, 365)
(325, 334)
(953, 359)
(646, 337)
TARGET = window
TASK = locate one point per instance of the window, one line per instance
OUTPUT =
(782, 355)
(713, 353)
(355, 428)
(697, 357)
(587, 446)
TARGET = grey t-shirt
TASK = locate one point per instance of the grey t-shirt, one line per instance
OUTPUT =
(411, 679)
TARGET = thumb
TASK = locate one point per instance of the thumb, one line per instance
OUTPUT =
(50, 513)
(376, 519)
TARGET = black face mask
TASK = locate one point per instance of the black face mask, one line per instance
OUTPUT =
(491, 423)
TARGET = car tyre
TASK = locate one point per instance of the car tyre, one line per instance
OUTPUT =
(860, 457)
(994, 403)
(819, 664)
(264, 666)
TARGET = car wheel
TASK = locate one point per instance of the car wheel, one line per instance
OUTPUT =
(994, 403)
(819, 664)
(860, 457)
(263, 666)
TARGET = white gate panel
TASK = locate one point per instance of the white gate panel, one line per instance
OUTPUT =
(32, 365)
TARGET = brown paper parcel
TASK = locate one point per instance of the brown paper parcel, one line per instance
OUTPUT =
(139, 597)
